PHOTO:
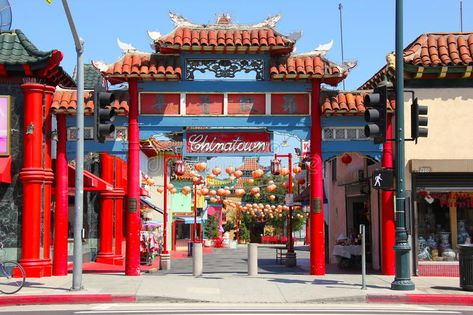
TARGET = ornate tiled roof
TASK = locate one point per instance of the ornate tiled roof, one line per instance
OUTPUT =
(223, 37)
(250, 164)
(441, 49)
(20, 58)
(308, 66)
(148, 66)
(432, 56)
(65, 101)
(346, 103)
(152, 147)
(141, 65)
(219, 38)
(92, 77)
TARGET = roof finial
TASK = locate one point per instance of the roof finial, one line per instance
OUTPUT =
(224, 19)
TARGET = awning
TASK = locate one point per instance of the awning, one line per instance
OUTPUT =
(189, 220)
(151, 205)
(91, 182)
(5, 169)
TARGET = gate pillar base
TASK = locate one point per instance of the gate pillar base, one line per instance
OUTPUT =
(165, 262)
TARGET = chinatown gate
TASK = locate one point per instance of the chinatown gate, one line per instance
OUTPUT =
(203, 79)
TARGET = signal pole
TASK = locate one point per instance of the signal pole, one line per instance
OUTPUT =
(79, 189)
(402, 280)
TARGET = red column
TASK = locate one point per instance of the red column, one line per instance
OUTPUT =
(105, 254)
(47, 165)
(317, 242)
(165, 206)
(132, 263)
(33, 177)
(387, 213)
(174, 240)
(119, 208)
(61, 213)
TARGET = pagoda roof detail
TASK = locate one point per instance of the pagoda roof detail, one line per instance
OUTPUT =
(431, 56)
(146, 66)
(152, 66)
(309, 66)
(20, 58)
(223, 37)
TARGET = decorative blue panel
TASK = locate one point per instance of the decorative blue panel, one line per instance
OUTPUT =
(224, 86)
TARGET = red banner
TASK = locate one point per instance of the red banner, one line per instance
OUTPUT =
(228, 142)
(159, 104)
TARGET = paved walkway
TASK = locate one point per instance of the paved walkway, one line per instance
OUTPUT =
(225, 279)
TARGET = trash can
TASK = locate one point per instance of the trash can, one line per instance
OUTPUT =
(189, 249)
(466, 267)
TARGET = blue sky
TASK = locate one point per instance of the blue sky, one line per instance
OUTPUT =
(368, 25)
(368, 28)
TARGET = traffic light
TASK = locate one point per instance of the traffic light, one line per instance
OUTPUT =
(417, 121)
(375, 115)
(104, 114)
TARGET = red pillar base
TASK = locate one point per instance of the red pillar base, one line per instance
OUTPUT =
(37, 268)
(110, 259)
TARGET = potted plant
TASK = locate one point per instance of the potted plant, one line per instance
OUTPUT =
(244, 234)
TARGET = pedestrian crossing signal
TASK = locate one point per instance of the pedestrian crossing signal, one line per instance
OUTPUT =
(383, 179)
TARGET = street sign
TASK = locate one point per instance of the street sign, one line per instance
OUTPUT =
(383, 179)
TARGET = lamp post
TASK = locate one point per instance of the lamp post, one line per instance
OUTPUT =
(79, 181)
(178, 169)
(402, 280)
(194, 234)
(276, 170)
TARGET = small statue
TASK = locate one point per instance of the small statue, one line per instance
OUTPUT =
(462, 233)
(424, 254)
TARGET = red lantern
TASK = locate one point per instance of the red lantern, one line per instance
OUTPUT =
(276, 167)
(346, 159)
(179, 168)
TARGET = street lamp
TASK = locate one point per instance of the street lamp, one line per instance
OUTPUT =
(276, 170)
(79, 180)
(178, 167)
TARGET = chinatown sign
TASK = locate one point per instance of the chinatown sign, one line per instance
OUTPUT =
(224, 142)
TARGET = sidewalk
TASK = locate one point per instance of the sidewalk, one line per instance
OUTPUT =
(225, 280)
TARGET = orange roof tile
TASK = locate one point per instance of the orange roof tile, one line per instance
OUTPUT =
(434, 51)
(224, 37)
(307, 67)
(250, 164)
(65, 101)
(152, 147)
(441, 49)
(346, 103)
(141, 65)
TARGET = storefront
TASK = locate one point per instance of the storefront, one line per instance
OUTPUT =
(442, 220)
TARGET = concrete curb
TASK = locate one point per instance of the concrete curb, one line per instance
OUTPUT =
(65, 299)
(415, 298)
(437, 299)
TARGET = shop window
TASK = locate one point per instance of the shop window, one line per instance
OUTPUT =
(435, 223)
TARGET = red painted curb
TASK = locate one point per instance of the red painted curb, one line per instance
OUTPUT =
(438, 299)
(65, 299)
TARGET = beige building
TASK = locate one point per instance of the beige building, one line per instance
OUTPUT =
(439, 168)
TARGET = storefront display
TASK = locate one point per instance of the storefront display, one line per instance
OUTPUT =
(444, 220)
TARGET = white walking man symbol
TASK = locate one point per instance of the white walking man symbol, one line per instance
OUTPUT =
(377, 180)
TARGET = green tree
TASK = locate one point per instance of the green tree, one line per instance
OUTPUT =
(211, 226)
(277, 222)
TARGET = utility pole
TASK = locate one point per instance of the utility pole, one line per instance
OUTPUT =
(79, 187)
(340, 8)
(402, 280)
